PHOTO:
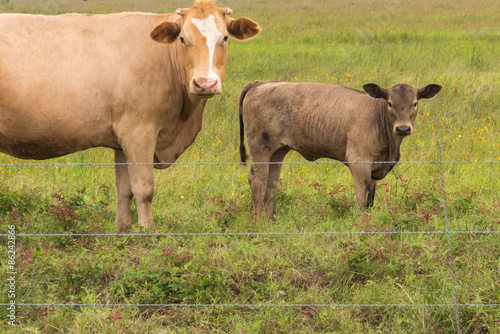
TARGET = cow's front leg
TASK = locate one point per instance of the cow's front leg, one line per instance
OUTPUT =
(142, 184)
(363, 184)
(141, 174)
(123, 220)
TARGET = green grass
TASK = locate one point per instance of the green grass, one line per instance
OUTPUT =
(453, 43)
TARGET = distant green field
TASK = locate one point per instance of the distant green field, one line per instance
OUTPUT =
(349, 42)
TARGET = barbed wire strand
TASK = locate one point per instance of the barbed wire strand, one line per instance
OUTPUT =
(240, 163)
(448, 235)
(223, 234)
(252, 305)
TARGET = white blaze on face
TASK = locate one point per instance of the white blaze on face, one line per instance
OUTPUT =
(208, 28)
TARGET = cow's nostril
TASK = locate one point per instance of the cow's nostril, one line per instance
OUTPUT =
(205, 85)
(403, 130)
(212, 84)
(205, 82)
(196, 83)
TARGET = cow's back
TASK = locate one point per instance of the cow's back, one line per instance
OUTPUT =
(65, 79)
(317, 120)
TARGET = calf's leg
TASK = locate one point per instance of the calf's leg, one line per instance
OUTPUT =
(257, 178)
(123, 220)
(370, 197)
(272, 181)
(363, 184)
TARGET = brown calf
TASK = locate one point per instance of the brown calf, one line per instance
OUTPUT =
(325, 121)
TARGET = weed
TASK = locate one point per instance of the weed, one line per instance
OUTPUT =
(339, 200)
(64, 210)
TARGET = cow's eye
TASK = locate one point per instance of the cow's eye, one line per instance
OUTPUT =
(183, 41)
(389, 104)
(415, 104)
(226, 38)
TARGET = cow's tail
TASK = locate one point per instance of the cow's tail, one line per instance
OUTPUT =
(243, 150)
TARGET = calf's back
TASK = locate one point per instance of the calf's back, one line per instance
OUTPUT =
(317, 120)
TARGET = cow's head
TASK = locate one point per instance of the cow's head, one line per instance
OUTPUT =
(402, 103)
(202, 32)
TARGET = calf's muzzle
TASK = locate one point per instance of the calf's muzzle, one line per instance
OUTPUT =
(403, 130)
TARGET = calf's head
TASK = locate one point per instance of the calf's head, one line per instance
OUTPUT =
(402, 103)
(202, 32)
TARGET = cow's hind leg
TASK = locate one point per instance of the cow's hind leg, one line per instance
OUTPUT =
(272, 181)
(123, 220)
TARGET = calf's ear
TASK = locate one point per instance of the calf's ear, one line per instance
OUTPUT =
(375, 91)
(165, 32)
(429, 91)
(242, 28)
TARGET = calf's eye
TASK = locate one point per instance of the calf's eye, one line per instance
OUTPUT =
(389, 104)
(226, 38)
(415, 104)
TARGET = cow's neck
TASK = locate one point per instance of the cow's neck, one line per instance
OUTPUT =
(192, 107)
(180, 131)
(190, 121)
(184, 131)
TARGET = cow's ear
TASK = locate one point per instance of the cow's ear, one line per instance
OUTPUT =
(181, 11)
(165, 32)
(429, 91)
(375, 91)
(242, 28)
(226, 11)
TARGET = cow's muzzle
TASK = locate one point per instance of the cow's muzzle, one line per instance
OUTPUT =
(403, 130)
(206, 87)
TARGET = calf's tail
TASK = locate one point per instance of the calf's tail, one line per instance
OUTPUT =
(243, 150)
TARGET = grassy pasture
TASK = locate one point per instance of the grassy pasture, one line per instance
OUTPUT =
(349, 42)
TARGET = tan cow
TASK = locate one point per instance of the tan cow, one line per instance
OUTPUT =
(325, 121)
(133, 82)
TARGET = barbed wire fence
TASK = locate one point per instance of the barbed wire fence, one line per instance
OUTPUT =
(455, 305)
